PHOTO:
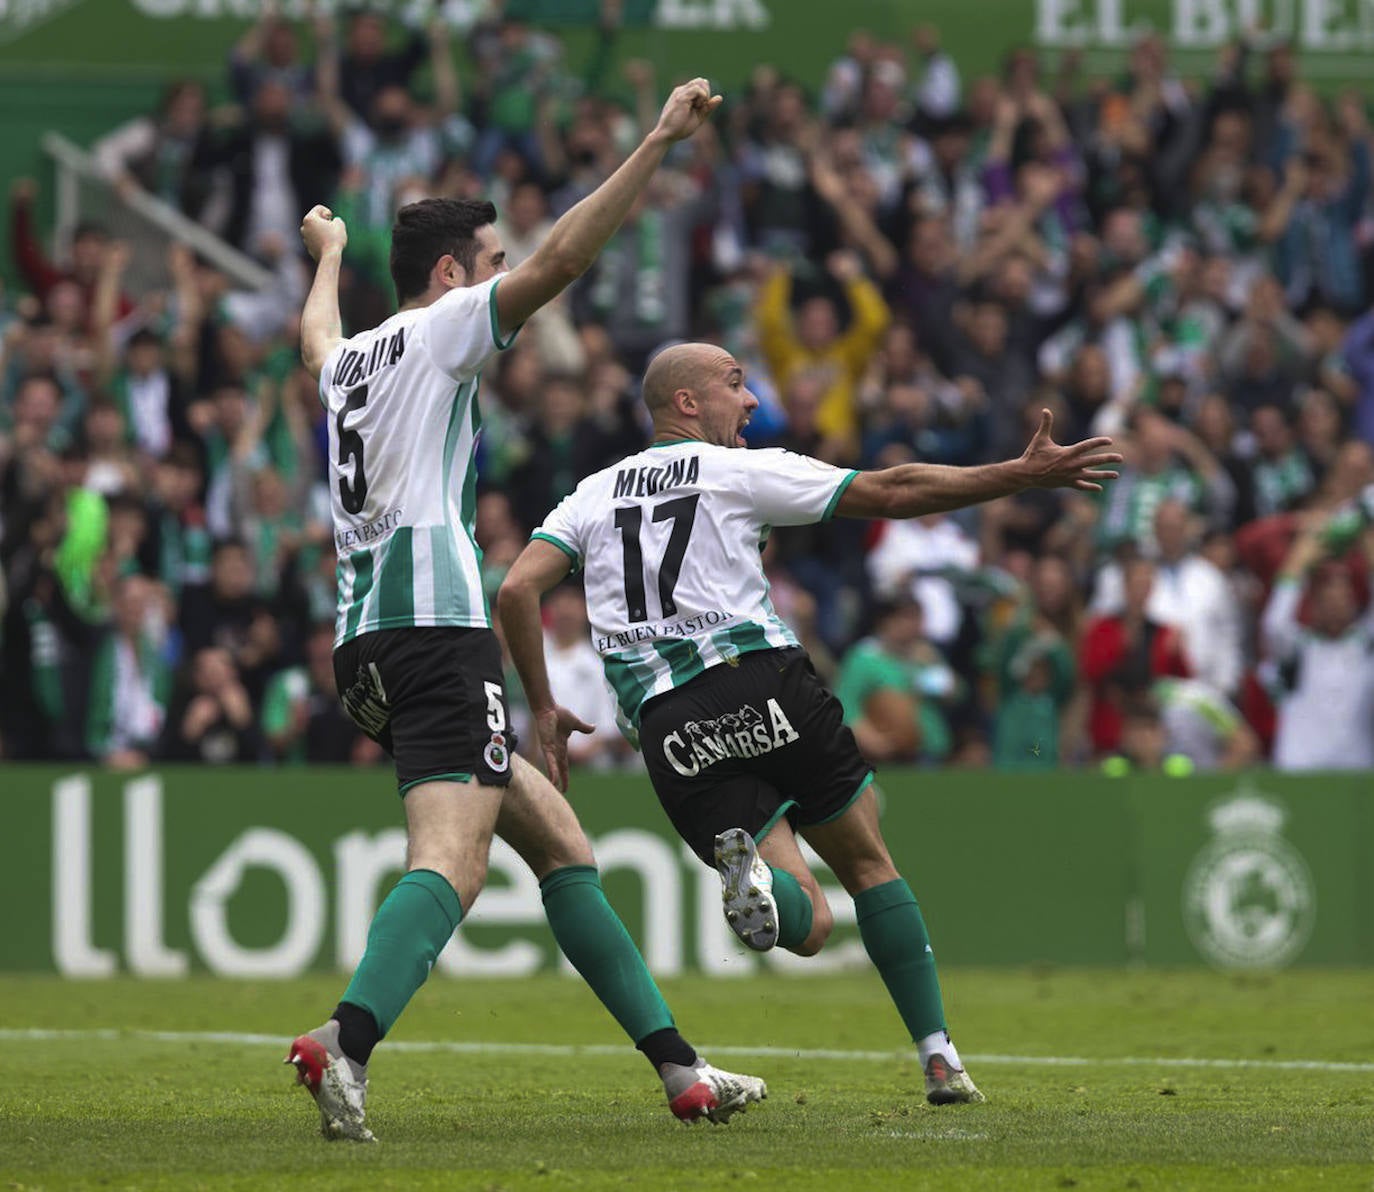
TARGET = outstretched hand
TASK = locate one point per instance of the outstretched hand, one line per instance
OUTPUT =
(553, 728)
(1078, 465)
(321, 230)
(687, 109)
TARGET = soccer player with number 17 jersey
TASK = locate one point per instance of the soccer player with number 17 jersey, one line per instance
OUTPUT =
(743, 745)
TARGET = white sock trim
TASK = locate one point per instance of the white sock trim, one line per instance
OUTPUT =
(938, 1044)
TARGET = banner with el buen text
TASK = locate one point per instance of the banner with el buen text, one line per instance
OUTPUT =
(270, 873)
(720, 38)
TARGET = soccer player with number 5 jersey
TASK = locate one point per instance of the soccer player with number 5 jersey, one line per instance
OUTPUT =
(416, 662)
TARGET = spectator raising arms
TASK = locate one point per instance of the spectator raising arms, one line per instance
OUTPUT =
(814, 340)
(1321, 674)
(911, 260)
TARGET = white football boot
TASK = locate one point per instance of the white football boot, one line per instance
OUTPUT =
(949, 1085)
(747, 890)
(338, 1085)
(702, 1091)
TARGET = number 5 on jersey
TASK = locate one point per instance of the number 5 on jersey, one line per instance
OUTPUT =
(629, 519)
(496, 710)
(352, 495)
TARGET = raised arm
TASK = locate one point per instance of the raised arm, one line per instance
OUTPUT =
(938, 94)
(855, 222)
(639, 73)
(1276, 217)
(33, 265)
(579, 236)
(327, 68)
(246, 53)
(447, 94)
(114, 151)
(540, 566)
(1280, 628)
(184, 340)
(913, 490)
(321, 323)
(870, 315)
(105, 308)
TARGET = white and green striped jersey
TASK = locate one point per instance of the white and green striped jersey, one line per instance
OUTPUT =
(403, 427)
(670, 542)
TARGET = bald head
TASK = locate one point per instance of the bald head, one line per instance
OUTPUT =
(682, 366)
(697, 392)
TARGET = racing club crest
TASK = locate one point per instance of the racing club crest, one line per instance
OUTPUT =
(1248, 898)
(496, 754)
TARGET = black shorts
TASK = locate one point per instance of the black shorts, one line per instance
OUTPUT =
(434, 698)
(742, 746)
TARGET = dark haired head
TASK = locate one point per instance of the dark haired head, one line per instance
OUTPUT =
(430, 229)
(100, 403)
(1139, 702)
(954, 124)
(183, 455)
(88, 228)
(176, 89)
(125, 502)
(1022, 56)
(896, 605)
(45, 375)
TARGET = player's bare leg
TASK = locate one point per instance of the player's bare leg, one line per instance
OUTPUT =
(541, 826)
(449, 827)
(894, 934)
(853, 846)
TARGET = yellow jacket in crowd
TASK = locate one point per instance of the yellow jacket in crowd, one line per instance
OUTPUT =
(843, 360)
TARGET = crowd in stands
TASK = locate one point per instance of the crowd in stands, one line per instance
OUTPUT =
(911, 264)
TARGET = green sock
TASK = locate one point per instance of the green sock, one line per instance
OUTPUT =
(409, 930)
(895, 935)
(594, 939)
(794, 909)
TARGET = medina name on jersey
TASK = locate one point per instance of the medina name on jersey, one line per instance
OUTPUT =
(403, 429)
(670, 541)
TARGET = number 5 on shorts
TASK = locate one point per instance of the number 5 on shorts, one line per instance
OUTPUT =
(496, 710)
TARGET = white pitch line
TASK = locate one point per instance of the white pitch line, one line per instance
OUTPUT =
(463, 1047)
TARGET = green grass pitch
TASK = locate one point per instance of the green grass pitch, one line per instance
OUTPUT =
(1094, 1081)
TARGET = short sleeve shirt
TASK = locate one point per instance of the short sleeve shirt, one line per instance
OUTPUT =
(403, 430)
(670, 542)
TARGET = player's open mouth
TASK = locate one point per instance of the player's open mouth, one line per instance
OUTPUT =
(739, 434)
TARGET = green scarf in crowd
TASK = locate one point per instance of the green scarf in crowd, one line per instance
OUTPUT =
(638, 248)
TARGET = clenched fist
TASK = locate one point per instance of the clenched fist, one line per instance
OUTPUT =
(322, 232)
(687, 109)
